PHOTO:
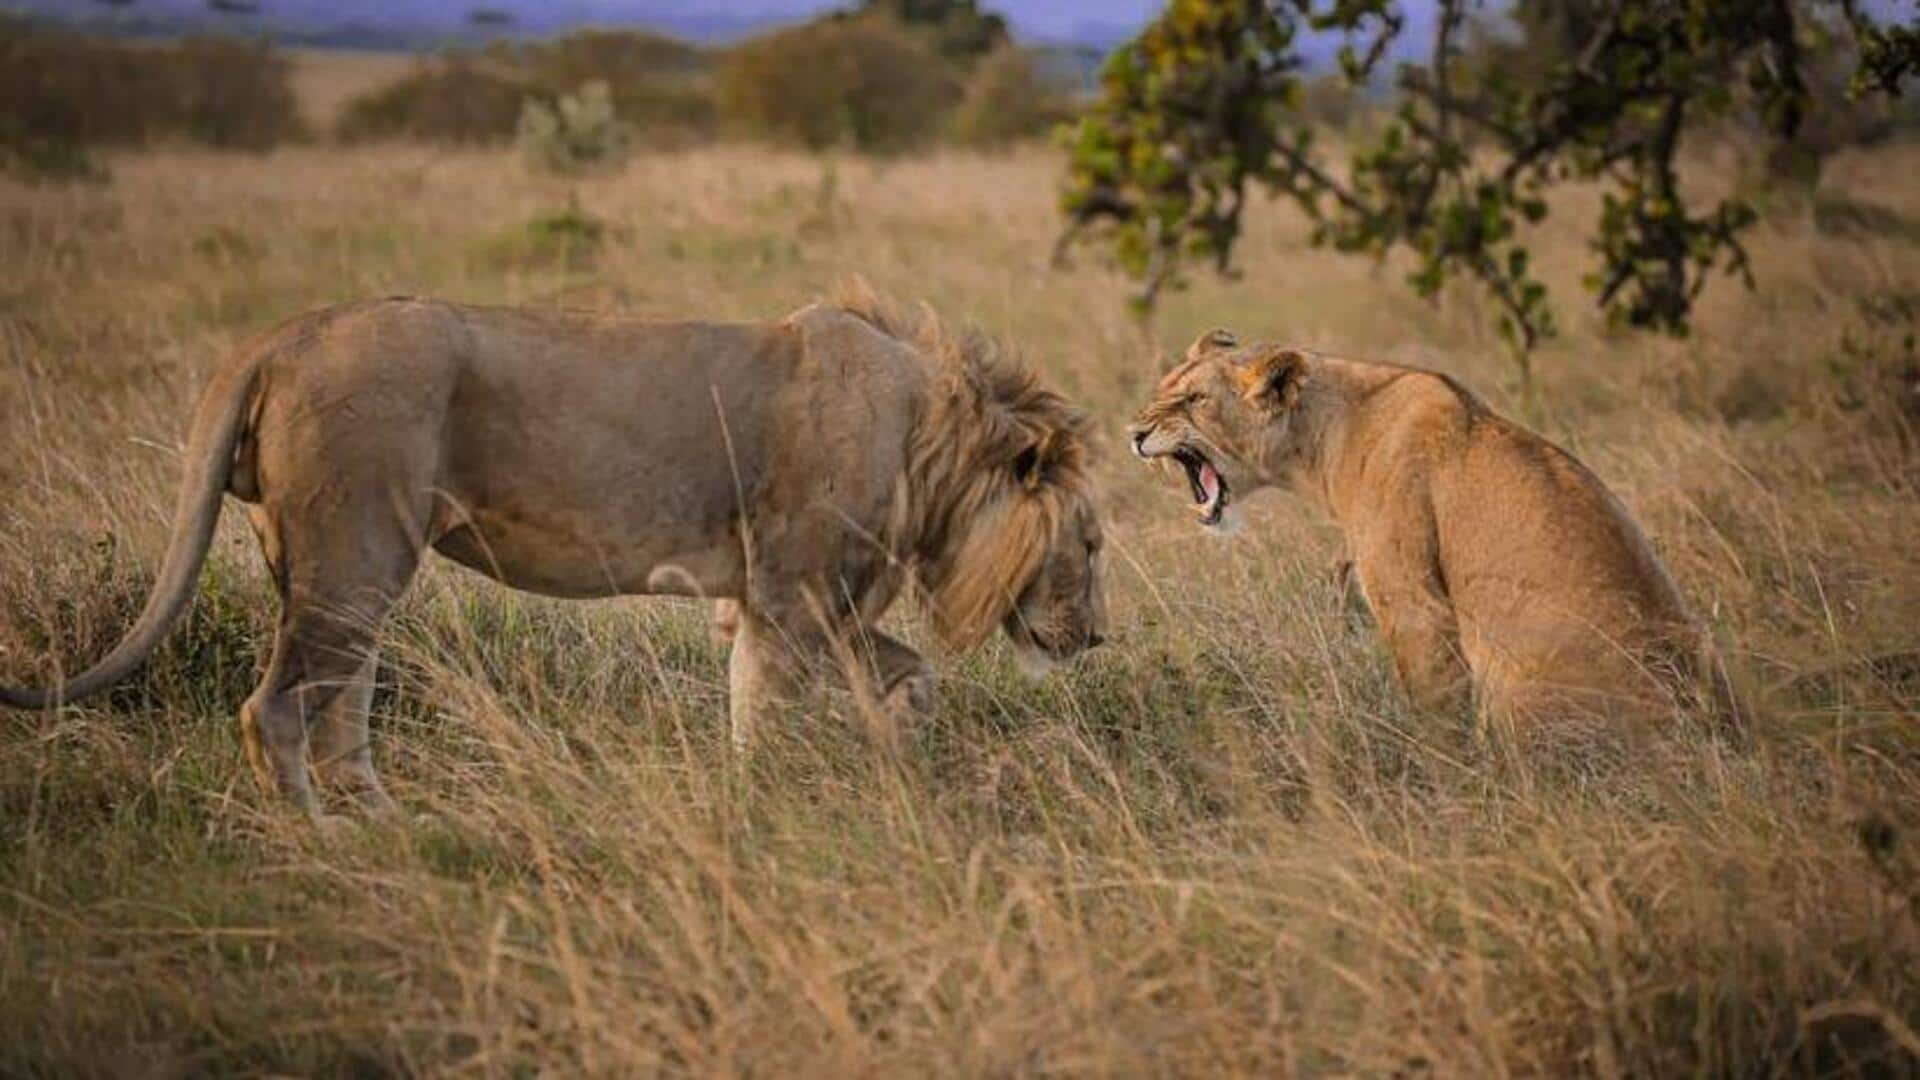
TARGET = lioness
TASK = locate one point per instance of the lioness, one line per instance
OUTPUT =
(1491, 559)
(805, 468)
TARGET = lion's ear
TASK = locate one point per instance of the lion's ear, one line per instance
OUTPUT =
(1273, 378)
(1036, 460)
(1212, 341)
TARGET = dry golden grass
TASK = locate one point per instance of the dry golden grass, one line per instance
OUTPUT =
(1220, 844)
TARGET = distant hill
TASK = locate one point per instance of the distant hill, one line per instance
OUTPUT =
(414, 24)
(1077, 32)
(385, 24)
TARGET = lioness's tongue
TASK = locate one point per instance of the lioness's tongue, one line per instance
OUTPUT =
(1209, 481)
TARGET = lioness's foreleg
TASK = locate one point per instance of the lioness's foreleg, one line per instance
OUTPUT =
(1416, 621)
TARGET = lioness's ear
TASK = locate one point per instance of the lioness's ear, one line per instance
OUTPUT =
(1031, 464)
(1273, 378)
(1214, 339)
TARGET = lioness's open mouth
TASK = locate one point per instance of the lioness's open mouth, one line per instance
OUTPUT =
(1209, 488)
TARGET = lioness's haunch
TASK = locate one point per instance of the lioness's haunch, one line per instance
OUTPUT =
(1490, 558)
(803, 469)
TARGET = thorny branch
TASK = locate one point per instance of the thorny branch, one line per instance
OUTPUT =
(1204, 101)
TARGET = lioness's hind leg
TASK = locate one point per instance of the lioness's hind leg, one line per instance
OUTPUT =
(342, 752)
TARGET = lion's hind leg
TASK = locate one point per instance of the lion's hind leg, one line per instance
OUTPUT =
(342, 752)
(338, 575)
(314, 696)
(310, 671)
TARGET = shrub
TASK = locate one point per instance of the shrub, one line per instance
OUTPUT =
(578, 131)
(1006, 99)
(1327, 101)
(454, 99)
(627, 61)
(56, 89)
(864, 82)
(33, 157)
(60, 93)
(565, 239)
(232, 94)
(654, 83)
(658, 84)
(958, 28)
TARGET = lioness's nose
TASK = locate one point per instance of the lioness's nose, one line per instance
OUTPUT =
(1096, 639)
(1140, 442)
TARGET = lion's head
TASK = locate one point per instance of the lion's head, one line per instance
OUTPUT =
(1230, 418)
(1006, 528)
(1061, 607)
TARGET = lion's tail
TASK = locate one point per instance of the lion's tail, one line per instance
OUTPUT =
(216, 431)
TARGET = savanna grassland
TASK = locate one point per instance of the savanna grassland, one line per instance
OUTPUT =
(1219, 843)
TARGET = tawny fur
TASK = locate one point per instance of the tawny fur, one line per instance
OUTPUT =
(992, 527)
(802, 470)
(1491, 559)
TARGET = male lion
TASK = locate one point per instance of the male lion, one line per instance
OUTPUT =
(1490, 558)
(805, 468)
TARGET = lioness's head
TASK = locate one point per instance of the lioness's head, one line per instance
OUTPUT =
(1229, 416)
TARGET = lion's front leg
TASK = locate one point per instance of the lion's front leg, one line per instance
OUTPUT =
(726, 621)
(772, 662)
(762, 671)
(903, 676)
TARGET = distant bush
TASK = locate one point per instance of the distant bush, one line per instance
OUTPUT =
(865, 82)
(960, 29)
(230, 93)
(577, 132)
(1327, 101)
(36, 157)
(61, 92)
(564, 239)
(659, 85)
(655, 84)
(1007, 99)
(454, 99)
